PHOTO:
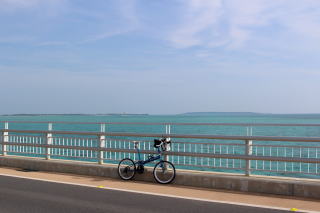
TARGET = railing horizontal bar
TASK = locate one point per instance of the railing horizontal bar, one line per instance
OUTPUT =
(210, 167)
(24, 144)
(224, 156)
(288, 172)
(55, 122)
(203, 155)
(55, 146)
(200, 143)
(28, 136)
(43, 154)
(285, 146)
(28, 153)
(222, 137)
(168, 123)
(245, 157)
(196, 143)
(52, 132)
(77, 138)
(93, 158)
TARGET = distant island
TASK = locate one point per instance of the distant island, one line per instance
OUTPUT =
(222, 113)
(218, 114)
(80, 114)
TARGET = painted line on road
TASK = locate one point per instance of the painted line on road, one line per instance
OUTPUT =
(163, 195)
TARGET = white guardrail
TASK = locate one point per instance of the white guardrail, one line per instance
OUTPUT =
(269, 154)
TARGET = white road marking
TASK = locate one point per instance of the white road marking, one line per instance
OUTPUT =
(159, 194)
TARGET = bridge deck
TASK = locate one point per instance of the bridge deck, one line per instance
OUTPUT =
(246, 199)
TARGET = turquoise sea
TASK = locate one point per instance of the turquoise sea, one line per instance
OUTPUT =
(250, 118)
(192, 118)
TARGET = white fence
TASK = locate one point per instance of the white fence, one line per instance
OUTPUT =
(248, 154)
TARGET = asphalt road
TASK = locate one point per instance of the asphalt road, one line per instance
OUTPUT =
(24, 195)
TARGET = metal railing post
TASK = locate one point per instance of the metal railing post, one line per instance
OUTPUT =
(102, 143)
(49, 142)
(248, 153)
(5, 139)
(168, 131)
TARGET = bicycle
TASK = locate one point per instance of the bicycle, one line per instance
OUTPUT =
(164, 171)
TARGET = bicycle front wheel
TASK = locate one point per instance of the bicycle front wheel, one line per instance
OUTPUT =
(164, 172)
(126, 169)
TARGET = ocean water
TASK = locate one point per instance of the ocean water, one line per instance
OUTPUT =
(303, 131)
(175, 129)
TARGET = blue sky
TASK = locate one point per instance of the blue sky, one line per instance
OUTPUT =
(159, 56)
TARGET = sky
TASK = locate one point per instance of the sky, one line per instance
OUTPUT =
(159, 56)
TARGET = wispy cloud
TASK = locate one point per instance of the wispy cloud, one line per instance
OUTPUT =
(200, 17)
(127, 9)
(16, 39)
(103, 20)
(13, 5)
(126, 12)
(18, 3)
(233, 23)
(53, 43)
(105, 35)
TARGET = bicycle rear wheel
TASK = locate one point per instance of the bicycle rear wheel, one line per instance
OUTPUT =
(164, 172)
(126, 169)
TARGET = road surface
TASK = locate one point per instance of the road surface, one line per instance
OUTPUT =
(25, 195)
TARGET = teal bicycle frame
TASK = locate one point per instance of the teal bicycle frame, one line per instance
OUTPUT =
(150, 158)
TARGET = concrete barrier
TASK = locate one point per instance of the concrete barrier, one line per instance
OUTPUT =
(277, 186)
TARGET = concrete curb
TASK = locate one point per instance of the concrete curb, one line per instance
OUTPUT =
(299, 188)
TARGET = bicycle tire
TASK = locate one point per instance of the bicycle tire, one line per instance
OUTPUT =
(126, 169)
(162, 174)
